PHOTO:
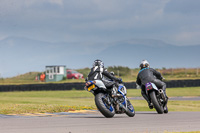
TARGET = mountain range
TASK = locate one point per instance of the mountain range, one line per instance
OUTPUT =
(19, 55)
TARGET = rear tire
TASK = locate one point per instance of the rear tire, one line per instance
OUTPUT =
(156, 105)
(107, 110)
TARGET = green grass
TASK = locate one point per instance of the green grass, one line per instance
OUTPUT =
(63, 101)
(141, 105)
(172, 92)
(187, 91)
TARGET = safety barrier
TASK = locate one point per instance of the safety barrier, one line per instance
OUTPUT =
(183, 83)
(42, 87)
(80, 86)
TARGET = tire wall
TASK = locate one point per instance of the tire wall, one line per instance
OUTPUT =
(80, 86)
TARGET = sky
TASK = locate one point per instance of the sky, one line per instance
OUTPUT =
(94, 25)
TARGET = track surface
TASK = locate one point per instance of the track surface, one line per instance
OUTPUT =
(172, 98)
(95, 123)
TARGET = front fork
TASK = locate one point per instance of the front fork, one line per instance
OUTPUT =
(119, 104)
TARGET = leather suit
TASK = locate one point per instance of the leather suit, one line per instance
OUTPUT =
(98, 73)
(146, 75)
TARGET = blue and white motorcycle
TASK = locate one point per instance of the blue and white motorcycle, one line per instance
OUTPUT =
(110, 101)
(157, 97)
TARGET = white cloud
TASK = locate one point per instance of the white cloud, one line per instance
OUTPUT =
(188, 38)
(85, 19)
(2, 36)
(58, 2)
(13, 6)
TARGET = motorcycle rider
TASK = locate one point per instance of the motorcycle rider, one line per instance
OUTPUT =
(147, 74)
(98, 72)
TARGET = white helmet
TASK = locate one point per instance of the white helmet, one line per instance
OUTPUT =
(98, 63)
(144, 64)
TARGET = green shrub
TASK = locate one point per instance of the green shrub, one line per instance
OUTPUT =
(119, 70)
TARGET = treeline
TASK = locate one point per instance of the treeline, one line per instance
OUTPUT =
(126, 73)
(120, 70)
(168, 73)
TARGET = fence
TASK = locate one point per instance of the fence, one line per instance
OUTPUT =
(79, 86)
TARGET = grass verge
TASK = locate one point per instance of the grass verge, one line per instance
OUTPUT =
(63, 101)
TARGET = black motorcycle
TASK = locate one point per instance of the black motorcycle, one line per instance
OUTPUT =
(157, 97)
(110, 101)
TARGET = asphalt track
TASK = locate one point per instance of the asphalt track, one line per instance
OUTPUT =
(189, 98)
(94, 122)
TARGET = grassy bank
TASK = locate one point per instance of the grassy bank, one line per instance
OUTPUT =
(63, 101)
(127, 74)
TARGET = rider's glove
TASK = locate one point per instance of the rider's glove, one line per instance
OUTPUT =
(120, 80)
(162, 78)
(85, 88)
(138, 86)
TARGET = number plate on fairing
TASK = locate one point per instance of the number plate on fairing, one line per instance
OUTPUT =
(91, 87)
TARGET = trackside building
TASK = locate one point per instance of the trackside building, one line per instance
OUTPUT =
(55, 73)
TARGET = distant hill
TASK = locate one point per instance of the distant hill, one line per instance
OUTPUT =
(159, 55)
(26, 78)
(20, 55)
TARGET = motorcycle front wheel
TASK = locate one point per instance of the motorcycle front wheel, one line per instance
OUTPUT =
(130, 109)
(104, 105)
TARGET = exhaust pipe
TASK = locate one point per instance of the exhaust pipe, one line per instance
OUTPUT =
(162, 94)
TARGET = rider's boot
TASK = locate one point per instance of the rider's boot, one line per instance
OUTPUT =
(150, 104)
(165, 96)
(165, 104)
(164, 92)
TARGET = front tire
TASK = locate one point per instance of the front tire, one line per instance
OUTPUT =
(103, 106)
(130, 109)
(156, 105)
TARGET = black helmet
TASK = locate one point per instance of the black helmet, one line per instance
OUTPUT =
(98, 63)
(144, 64)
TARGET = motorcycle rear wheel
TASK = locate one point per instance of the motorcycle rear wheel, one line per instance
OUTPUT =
(157, 106)
(106, 109)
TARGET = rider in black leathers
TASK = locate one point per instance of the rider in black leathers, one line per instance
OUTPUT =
(98, 72)
(147, 74)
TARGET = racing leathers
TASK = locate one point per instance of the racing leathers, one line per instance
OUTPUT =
(100, 73)
(146, 75)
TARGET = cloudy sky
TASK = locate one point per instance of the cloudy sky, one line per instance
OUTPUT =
(91, 23)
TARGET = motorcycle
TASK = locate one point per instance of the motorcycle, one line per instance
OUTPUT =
(110, 101)
(157, 97)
